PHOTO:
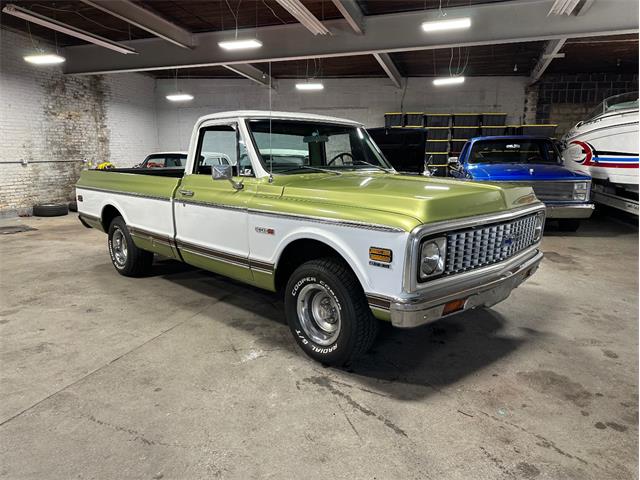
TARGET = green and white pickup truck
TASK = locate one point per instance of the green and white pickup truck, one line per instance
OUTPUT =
(308, 205)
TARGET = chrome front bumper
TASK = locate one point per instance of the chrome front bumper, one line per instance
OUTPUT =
(569, 210)
(485, 290)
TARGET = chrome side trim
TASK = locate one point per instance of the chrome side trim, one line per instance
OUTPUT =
(410, 282)
(325, 220)
(225, 257)
(333, 221)
(129, 194)
(148, 235)
(210, 204)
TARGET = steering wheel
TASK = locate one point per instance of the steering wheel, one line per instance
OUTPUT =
(340, 155)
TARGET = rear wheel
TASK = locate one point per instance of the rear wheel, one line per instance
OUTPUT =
(569, 224)
(328, 313)
(128, 259)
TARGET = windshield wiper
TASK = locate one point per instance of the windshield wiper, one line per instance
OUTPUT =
(306, 167)
(362, 162)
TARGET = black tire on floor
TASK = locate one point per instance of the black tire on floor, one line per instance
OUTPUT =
(130, 261)
(336, 288)
(569, 224)
(73, 206)
(50, 209)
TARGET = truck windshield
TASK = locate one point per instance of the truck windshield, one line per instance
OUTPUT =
(295, 146)
(514, 150)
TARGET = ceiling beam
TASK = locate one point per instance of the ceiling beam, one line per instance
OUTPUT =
(583, 7)
(351, 12)
(493, 23)
(304, 16)
(144, 19)
(252, 73)
(551, 51)
(385, 61)
(53, 24)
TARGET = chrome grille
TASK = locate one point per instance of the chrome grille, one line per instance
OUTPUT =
(553, 191)
(481, 246)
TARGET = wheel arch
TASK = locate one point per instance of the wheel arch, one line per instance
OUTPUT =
(108, 213)
(298, 249)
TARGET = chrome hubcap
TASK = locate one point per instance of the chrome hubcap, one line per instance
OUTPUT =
(119, 247)
(319, 314)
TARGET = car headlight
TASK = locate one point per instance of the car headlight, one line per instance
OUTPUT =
(538, 226)
(432, 257)
(581, 191)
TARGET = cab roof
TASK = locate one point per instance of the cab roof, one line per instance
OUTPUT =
(277, 115)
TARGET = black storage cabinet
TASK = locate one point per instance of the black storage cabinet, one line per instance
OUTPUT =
(393, 119)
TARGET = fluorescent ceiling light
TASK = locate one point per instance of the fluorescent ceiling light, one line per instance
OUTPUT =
(44, 59)
(240, 44)
(309, 86)
(448, 81)
(441, 25)
(47, 22)
(179, 97)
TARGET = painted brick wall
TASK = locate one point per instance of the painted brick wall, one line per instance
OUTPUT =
(363, 99)
(566, 99)
(51, 123)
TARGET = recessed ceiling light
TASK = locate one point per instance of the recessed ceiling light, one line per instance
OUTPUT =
(240, 44)
(441, 25)
(448, 81)
(310, 86)
(44, 59)
(179, 97)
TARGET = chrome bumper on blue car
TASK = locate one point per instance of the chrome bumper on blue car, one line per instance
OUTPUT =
(569, 210)
(482, 289)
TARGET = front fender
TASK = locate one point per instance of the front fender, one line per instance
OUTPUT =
(331, 239)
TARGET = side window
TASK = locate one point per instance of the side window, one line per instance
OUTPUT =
(217, 145)
(155, 161)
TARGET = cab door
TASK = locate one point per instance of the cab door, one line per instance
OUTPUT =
(211, 215)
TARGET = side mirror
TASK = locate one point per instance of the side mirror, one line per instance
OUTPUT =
(453, 162)
(221, 172)
(225, 172)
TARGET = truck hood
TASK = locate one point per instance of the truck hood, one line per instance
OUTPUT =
(380, 197)
(521, 172)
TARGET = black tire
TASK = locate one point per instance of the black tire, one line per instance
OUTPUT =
(136, 262)
(50, 209)
(73, 206)
(568, 224)
(339, 286)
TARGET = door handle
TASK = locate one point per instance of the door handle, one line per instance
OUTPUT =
(186, 193)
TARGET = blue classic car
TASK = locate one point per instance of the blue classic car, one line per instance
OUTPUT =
(533, 161)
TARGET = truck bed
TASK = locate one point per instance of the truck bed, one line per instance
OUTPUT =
(157, 172)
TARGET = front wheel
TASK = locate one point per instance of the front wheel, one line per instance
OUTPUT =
(128, 259)
(328, 313)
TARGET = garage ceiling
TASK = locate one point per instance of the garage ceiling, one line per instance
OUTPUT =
(617, 53)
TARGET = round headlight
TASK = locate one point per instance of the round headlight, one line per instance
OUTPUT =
(539, 226)
(432, 258)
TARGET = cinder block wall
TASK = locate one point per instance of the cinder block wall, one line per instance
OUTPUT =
(50, 123)
(567, 99)
(362, 99)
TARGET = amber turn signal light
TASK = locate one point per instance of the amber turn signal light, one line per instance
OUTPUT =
(384, 255)
(453, 306)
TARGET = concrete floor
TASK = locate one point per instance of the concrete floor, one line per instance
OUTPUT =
(186, 375)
